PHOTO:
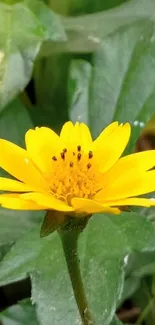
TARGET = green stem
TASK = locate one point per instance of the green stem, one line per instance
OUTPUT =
(69, 241)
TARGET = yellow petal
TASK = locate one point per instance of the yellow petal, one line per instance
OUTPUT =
(74, 135)
(140, 161)
(107, 152)
(13, 202)
(85, 136)
(66, 130)
(132, 201)
(102, 138)
(133, 184)
(48, 201)
(42, 143)
(16, 162)
(7, 184)
(91, 206)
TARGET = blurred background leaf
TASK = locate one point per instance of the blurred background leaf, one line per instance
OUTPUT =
(20, 46)
(85, 33)
(14, 122)
(115, 322)
(78, 90)
(50, 84)
(21, 314)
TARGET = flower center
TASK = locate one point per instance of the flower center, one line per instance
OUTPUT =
(74, 174)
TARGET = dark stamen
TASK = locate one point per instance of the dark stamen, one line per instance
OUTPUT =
(63, 155)
(54, 158)
(88, 166)
(73, 153)
(64, 150)
(79, 156)
(79, 148)
(90, 154)
(71, 164)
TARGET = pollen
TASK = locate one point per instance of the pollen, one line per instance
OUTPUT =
(73, 175)
(62, 155)
(79, 156)
(90, 154)
(54, 158)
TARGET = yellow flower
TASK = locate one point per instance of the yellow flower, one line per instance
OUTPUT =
(74, 174)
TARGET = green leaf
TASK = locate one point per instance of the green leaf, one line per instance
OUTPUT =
(104, 255)
(85, 33)
(50, 80)
(4, 249)
(20, 261)
(103, 249)
(51, 287)
(17, 117)
(122, 65)
(21, 314)
(14, 224)
(117, 86)
(49, 21)
(19, 46)
(78, 90)
(141, 264)
(91, 6)
(116, 321)
(131, 285)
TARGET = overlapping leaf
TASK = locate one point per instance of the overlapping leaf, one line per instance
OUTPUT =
(23, 27)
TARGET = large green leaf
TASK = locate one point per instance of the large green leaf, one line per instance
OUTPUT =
(122, 83)
(20, 260)
(126, 81)
(112, 242)
(103, 248)
(19, 46)
(51, 287)
(21, 314)
(85, 33)
(14, 224)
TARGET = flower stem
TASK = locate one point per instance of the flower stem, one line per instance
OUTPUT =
(69, 241)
